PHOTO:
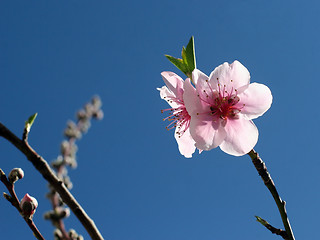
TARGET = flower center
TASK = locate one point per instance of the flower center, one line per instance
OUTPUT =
(223, 104)
(179, 117)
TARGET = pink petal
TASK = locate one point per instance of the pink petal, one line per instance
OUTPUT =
(208, 134)
(204, 90)
(198, 75)
(242, 136)
(230, 76)
(191, 99)
(186, 144)
(174, 83)
(166, 95)
(257, 99)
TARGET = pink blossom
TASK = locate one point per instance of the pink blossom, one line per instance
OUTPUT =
(179, 117)
(28, 205)
(222, 107)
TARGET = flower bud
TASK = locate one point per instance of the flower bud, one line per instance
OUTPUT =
(28, 205)
(72, 233)
(98, 115)
(15, 175)
(64, 213)
(57, 234)
(96, 102)
(72, 131)
(82, 115)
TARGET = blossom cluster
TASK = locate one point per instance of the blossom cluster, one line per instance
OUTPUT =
(215, 110)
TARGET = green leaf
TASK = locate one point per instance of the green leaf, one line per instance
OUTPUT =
(178, 63)
(184, 56)
(190, 57)
(29, 122)
(188, 62)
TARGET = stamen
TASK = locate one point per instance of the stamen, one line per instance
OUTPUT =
(179, 117)
(222, 102)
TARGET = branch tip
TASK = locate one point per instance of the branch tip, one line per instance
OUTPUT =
(7, 197)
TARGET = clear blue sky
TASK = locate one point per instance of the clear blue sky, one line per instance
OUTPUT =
(131, 179)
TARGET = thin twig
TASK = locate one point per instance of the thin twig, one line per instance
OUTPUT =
(263, 172)
(43, 167)
(272, 229)
(13, 199)
(67, 158)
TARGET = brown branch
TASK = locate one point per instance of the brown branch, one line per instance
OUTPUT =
(272, 229)
(43, 167)
(263, 172)
(13, 199)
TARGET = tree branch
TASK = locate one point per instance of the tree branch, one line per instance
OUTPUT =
(263, 172)
(13, 199)
(272, 229)
(43, 167)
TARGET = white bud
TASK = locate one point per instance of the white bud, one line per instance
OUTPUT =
(15, 175)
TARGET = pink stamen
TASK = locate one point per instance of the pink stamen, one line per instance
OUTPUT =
(179, 116)
(222, 103)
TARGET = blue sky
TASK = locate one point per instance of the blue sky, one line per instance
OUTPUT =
(131, 179)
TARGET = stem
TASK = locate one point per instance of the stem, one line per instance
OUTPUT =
(272, 229)
(59, 223)
(13, 199)
(263, 172)
(43, 167)
(34, 229)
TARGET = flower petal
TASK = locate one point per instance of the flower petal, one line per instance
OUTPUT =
(257, 99)
(242, 136)
(204, 90)
(208, 134)
(190, 98)
(186, 143)
(165, 94)
(174, 83)
(198, 75)
(231, 77)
